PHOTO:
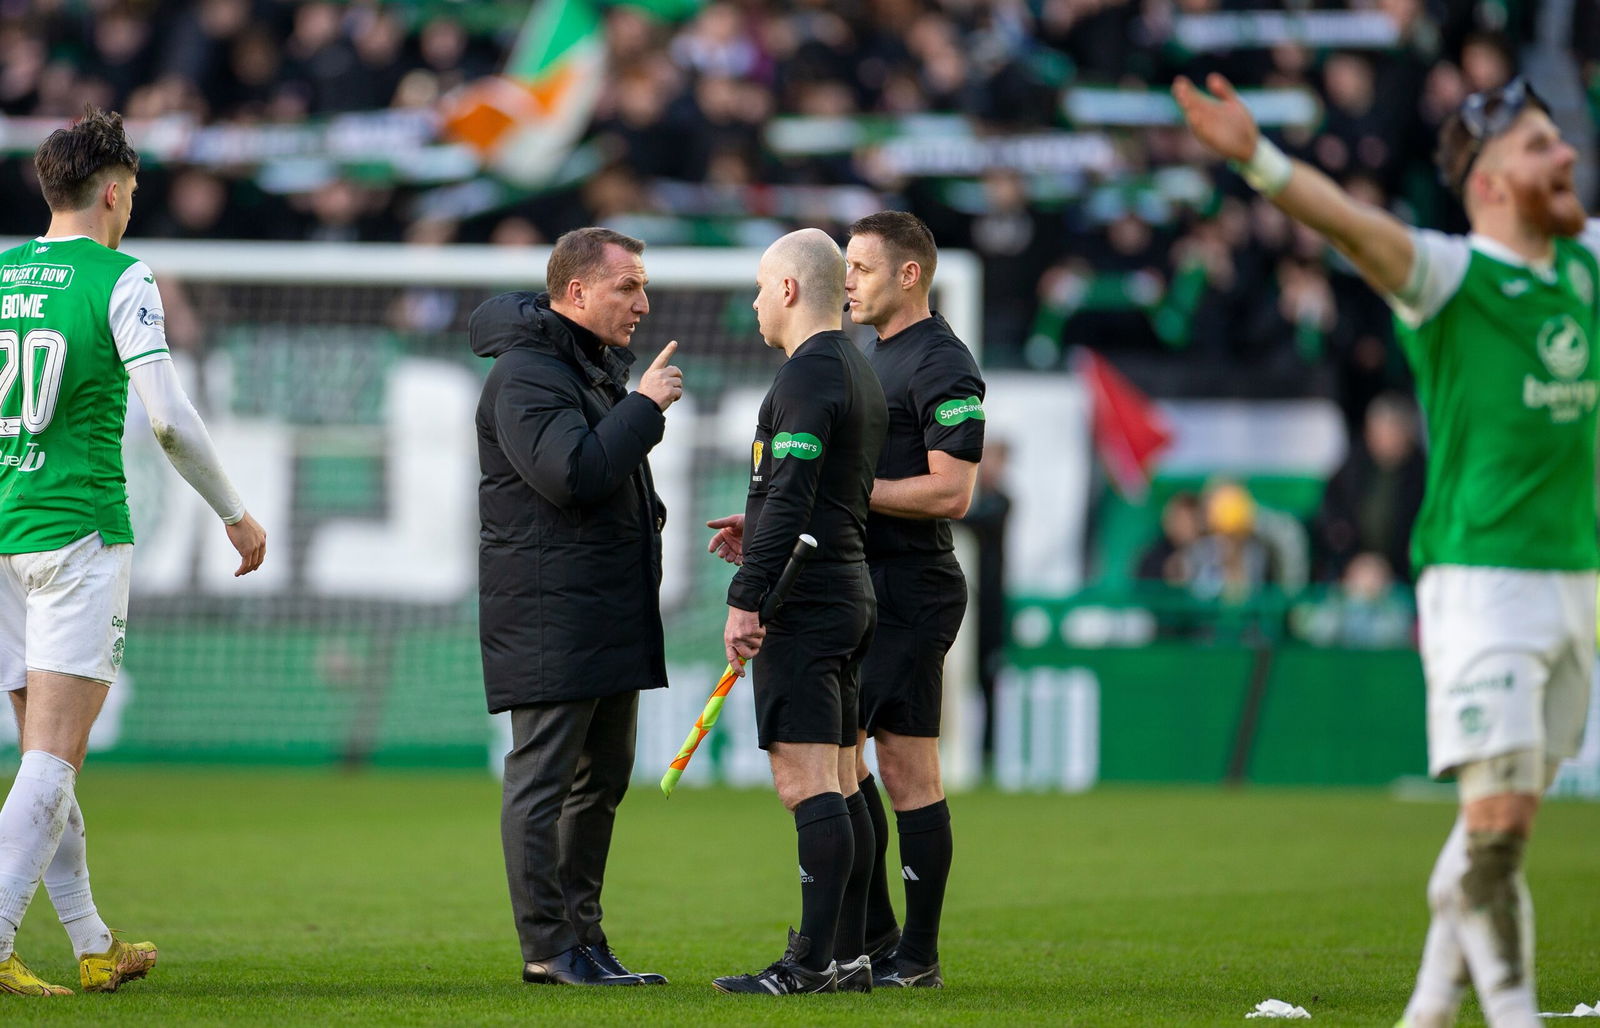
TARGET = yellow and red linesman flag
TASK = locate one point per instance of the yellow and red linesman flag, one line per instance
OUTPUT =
(804, 546)
(702, 727)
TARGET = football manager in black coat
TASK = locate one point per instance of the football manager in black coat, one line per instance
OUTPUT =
(568, 578)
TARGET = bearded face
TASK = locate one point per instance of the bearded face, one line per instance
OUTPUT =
(1549, 203)
(1531, 167)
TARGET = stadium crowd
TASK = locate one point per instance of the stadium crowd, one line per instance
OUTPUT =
(1184, 290)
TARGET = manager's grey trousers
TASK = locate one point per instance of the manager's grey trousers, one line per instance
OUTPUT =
(567, 770)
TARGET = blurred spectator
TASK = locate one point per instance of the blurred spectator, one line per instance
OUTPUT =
(1358, 132)
(1229, 561)
(1487, 62)
(1365, 610)
(986, 519)
(1182, 524)
(318, 57)
(1008, 235)
(197, 204)
(515, 231)
(1373, 498)
(120, 54)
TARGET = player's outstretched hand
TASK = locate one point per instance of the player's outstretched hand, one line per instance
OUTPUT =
(1224, 124)
(728, 543)
(742, 637)
(663, 382)
(250, 539)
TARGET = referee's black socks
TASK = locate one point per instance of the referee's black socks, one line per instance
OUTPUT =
(880, 910)
(827, 851)
(851, 940)
(925, 865)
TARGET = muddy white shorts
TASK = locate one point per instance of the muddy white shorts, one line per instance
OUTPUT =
(64, 611)
(1509, 656)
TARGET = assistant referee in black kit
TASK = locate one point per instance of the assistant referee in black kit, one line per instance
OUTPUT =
(925, 477)
(811, 470)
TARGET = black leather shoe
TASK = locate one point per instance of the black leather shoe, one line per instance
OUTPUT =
(607, 961)
(574, 967)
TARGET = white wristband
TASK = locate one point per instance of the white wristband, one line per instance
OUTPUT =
(1268, 170)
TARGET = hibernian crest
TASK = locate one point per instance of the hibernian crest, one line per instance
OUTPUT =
(1563, 347)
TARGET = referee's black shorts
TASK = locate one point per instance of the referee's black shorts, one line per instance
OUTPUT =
(920, 606)
(808, 674)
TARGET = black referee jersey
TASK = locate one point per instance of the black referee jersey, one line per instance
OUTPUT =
(935, 397)
(817, 441)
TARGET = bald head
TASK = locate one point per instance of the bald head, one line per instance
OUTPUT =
(813, 260)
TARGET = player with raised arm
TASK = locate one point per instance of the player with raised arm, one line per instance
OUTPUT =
(1498, 327)
(78, 321)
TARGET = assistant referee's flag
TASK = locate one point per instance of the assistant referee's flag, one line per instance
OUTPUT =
(1130, 433)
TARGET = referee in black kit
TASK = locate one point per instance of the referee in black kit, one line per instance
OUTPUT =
(925, 477)
(816, 445)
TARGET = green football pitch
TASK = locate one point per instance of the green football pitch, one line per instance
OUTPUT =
(320, 899)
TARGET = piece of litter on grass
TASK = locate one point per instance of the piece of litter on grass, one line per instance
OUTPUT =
(1581, 1010)
(1278, 1008)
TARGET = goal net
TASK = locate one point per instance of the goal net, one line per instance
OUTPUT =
(340, 389)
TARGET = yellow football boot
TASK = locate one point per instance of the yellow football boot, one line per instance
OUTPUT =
(17, 980)
(123, 962)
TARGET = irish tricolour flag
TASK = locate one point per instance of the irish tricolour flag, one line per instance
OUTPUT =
(525, 120)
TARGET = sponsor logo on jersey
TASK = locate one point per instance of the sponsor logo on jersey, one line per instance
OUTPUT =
(31, 460)
(1516, 287)
(800, 445)
(954, 412)
(152, 316)
(1564, 349)
(150, 279)
(1567, 401)
(1582, 282)
(49, 276)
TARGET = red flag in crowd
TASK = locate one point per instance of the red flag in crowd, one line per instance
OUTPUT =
(1130, 433)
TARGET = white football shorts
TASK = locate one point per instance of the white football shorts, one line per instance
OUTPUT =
(1509, 656)
(64, 611)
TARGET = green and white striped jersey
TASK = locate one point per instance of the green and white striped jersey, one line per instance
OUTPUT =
(1503, 352)
(74, 317)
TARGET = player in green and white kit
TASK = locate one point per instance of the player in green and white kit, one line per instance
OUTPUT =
(1499, 328)
(78, 322)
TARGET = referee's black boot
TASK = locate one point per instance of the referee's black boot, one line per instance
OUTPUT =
(786, 977)
(574, 967)
(904, 974)
(607, 961)
(881, 951)
(855, 975)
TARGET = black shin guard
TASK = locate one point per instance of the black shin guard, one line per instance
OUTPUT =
(880, 909)
(826, 853)
(925, 847)
(851, 939)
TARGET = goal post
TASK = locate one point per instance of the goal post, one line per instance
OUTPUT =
(338, 384)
